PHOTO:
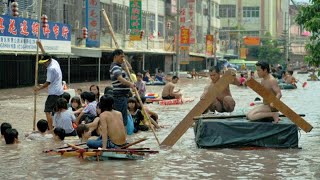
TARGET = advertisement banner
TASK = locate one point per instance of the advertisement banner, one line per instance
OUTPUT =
(93, 23)
(21, 34)
(191, 19)
(135, 20)
(251, 41)
(243, 53)
(209, 45)
(184, 36)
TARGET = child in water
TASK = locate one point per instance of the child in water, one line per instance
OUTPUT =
(136, 115)
(76, 105)
(64, 118)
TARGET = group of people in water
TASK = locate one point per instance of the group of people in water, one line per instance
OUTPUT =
(108, 116)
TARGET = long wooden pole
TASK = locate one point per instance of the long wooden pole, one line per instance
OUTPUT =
(36, 72)
(151, 121)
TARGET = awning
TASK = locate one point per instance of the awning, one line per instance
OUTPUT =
(86, 52)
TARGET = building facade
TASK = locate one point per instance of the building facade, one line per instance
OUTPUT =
(251, 18)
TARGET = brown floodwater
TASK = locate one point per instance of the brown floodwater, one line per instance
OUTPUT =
(183, 161)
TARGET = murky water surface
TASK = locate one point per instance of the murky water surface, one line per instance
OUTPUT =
(182, 161)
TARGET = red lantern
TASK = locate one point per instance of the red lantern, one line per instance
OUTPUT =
(84, 32)
(44, 20)
(14, 8)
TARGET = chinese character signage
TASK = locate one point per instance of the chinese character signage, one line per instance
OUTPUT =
(184, 36)
(187, 18)
(184, 45)
(191, 15)
(135, 20)
(93, 23)
(20, 34)
(209, 45)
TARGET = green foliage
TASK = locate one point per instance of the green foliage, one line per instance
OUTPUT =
(268, 52)
(309, 18)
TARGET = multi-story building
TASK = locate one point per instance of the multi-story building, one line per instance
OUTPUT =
(156, 50)
(251, 18)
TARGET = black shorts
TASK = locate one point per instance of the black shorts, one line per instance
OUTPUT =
(50, 103)
(168, 97)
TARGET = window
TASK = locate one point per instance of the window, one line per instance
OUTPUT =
(212, 9)
(160, 25)
(251, 12)
(118, 18)
(151, 20)
(227, 11)
(144, 21)
(198, 7)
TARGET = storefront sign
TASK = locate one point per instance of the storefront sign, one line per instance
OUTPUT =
(20, 34)
(209, 45)
(135, 20)
(93, 23)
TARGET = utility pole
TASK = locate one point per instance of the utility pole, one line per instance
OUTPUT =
(177, 39)
(286, 37)
(239, 25)
(209, 26)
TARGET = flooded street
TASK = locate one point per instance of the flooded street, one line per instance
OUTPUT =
(183, 161)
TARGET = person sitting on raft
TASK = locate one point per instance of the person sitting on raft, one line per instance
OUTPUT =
(224, 101)
(168, 90)
(266, 110)
(113, 132)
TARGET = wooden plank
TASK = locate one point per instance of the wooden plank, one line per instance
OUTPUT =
(230, 116)
(277, 103)
(198, 109)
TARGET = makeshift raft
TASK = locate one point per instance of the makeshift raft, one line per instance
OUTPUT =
(83, 152)
(165, 102)
(236, 131)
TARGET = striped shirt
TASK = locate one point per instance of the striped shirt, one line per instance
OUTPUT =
(119, 89)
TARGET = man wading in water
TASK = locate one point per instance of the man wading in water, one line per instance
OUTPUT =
(54, 84)
(120, 83)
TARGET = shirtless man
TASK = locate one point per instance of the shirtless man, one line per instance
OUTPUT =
(270, 83)
(168, 90)
(224, 101)
(113, 133)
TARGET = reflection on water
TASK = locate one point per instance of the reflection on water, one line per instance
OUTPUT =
(182, 161)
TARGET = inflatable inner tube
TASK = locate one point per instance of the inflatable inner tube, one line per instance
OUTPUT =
(287, 86)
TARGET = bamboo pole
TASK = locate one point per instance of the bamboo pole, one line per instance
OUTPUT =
(36, 72)
(151, 121)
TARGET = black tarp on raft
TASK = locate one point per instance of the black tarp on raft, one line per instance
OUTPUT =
(239, 132)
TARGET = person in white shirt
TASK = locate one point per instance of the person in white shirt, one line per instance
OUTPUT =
(54, 84)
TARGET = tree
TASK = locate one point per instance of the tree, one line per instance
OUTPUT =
(309, 18)
(268, 51)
